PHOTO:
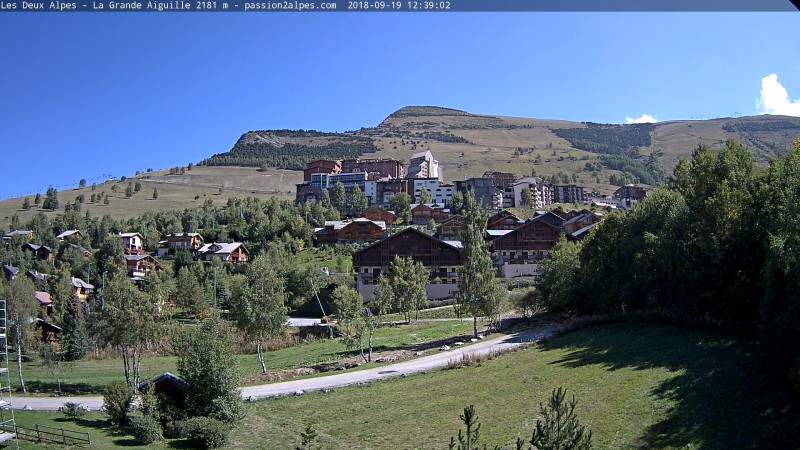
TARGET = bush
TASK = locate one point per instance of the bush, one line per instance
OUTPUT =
(227, 409)
(117, 399)
(146, 429)
(73, 410)
(205, 432)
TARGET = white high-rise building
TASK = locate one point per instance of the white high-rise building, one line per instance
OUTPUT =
(424, 166)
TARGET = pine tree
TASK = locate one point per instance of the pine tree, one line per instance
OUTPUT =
(559, 427)
(75, 333)
(155, 194)
(26, 204)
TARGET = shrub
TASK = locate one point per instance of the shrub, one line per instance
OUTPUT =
(146, 429)
(227, 409)
(117, 399)
(73, 410)
(205, 432)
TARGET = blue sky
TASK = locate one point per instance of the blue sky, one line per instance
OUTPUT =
(85, 94)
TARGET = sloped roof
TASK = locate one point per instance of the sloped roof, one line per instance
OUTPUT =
(136, 257)
(228, 247)
(68, 233)
(130, 235)
(79, 248)
(38, 276)
(11, 269)
(452, 244)
(339, 224)
(43, 297)
(16, 233)
(584, 231)
(184, 234)
(78, 283)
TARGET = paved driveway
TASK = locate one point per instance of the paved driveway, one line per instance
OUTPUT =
(431, 362)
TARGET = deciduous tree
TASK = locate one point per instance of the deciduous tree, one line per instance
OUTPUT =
(258, 308)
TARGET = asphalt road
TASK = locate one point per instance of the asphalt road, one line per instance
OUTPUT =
(436, 360)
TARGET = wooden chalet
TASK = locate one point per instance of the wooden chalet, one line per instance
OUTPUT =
(452, 228)
(48, 330)
(24, 234)
(232, 252)
(70, 235)
(10, 271)
(582, 219)
(442, 258)
(422, 213)
(520, 252)
(380, 215)
(132, 243)
(191, 241)
(139, 266)
(40, 252)
(45, 302)
(503, 220)
(356, 231)
(81, 289)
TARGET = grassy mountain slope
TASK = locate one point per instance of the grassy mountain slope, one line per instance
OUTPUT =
(174, 192)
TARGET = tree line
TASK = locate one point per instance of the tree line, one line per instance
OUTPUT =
(720, 243)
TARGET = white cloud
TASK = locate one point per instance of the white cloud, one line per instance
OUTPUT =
(645, 118)
(775, 98)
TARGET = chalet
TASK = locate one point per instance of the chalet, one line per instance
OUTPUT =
(451, 229)
(39, 252)
(380, 215)
(581, 219)
(84, 252)
(422, 213)
(10, 271)
(139, 266)
(38, 278)
(25, 234)
(180, 241)
(520, 252)
(442, 258)
(232, 252)
(583, 232)
(70, 235)
(356, 231)
(504, 220)
(81, 289)
(49, 331)
(132, 243)
(45, 302)
(80, 249)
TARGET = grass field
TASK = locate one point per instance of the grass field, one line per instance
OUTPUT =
(88, 376)
(637, 385)
(174, 192)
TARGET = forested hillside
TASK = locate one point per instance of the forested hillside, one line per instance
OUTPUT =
(287, 149)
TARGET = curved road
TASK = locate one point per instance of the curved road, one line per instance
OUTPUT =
(433, 361)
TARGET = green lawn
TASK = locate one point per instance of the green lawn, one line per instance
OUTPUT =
(637, 385)
(88, 376)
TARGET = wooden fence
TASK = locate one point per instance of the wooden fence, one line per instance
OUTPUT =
(45, 434)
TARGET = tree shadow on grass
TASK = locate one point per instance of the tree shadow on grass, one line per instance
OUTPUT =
(722, 395)
(66, 388)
